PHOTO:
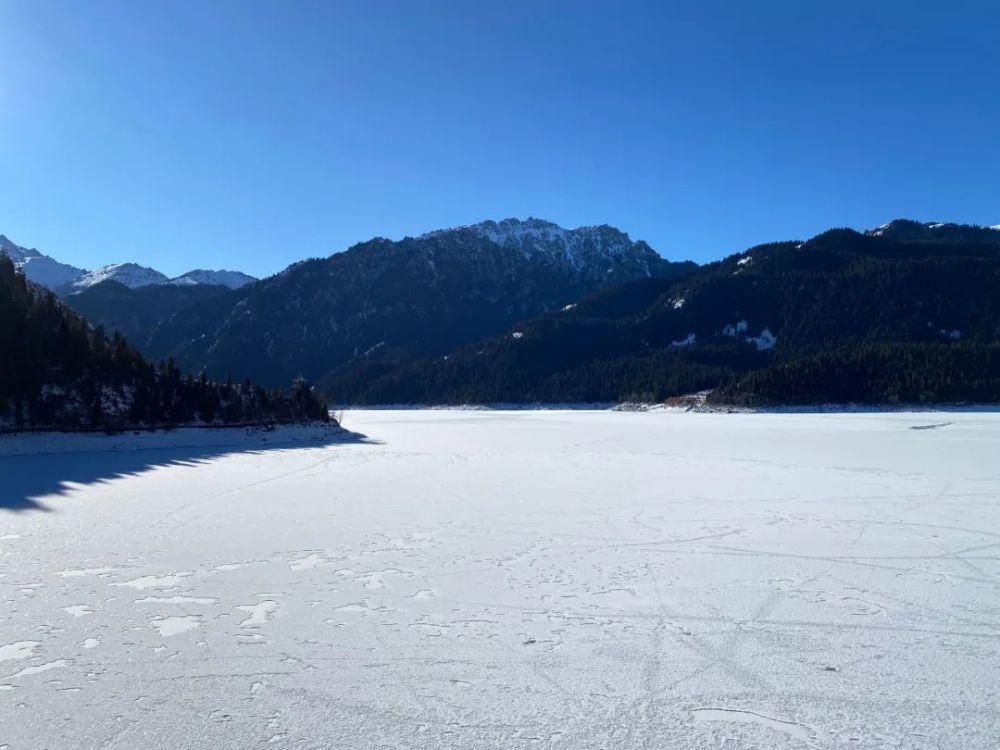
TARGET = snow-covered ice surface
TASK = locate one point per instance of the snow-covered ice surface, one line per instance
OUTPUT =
(476, 579)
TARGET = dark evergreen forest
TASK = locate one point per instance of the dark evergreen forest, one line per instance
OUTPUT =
(907, 314)
(56, 370)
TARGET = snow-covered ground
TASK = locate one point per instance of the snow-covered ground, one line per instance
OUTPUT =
(478, 579)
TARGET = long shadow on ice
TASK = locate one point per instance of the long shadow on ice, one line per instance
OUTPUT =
(33, 466)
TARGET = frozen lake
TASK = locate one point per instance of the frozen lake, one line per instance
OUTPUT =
(511, 579)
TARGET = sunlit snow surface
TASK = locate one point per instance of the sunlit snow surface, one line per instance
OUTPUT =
(512, 579)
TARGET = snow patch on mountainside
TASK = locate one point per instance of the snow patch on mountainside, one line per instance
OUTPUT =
(766, 340)
(231, 279)
(587, 247)
(909, 230)
(15, 252)
(734, 328)
(50, 273)
(514, 230)
(131, 275)
(37, 267)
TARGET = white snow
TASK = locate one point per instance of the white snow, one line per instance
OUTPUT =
(588, 246)
(37, 267)
(39, 668)
(732, 329)
(50, 273)
(156, 582)
(231, 279)
(483, 579)
(518, 334)
(259, 613)
(686, 341)
(131, 275)
(749, 717)
(175, 625)
(514, 230)
(373, 348)
(952, 333)
(19, 650)
(177, 600)
(78, 610)
(82, 572)
(18, 255)
(191, 439)
(763, 341)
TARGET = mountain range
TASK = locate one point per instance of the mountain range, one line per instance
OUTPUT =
(907, 312)
(66, 279)
(394, 301)
(523, 311)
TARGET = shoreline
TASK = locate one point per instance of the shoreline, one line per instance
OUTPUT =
(38, 442)
(699, 408)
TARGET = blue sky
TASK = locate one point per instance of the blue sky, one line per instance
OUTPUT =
(249, 134)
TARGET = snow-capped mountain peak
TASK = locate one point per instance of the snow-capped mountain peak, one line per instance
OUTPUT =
(16, 253)
(131, 275)
(590, 248)
(231, 279)
(67, 279)
(515, 230)
(39, 268)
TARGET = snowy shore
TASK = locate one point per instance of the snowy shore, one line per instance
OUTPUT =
(28, 443)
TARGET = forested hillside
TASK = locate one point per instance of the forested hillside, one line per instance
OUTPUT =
(136, 312)
(874, 374)
(58, 371)
(898, 314)
(390, 302)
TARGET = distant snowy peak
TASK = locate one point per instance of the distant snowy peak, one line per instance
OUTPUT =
(65, 278)
(135, 276)
(131, 275)
(16, 253)
(39, 268)
(231, 279)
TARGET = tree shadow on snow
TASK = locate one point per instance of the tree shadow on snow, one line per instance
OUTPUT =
(24, 479)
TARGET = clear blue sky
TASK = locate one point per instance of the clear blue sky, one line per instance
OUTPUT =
(249, 134)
